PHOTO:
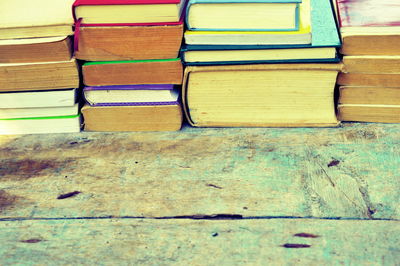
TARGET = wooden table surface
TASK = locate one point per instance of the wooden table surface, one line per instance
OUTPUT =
(254, 196)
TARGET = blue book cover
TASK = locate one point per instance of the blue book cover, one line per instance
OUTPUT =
(324, 34)
(293, 28)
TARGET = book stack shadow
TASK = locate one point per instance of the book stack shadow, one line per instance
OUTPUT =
(260, 63)
(131, 70)
(370, 81)
(38, 75)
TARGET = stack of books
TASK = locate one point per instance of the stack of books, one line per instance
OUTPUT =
(260, 63)
(132, 71)
(38, 75)
(370, 82)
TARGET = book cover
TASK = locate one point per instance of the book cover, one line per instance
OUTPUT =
(239, 12)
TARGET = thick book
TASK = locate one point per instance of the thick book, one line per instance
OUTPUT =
(369, 27)
(264, 95)
(39, 76)
(125, 12)
(145, 42)
(246, 15)
(40, 125)
(163, 71)
(132, 118)
(33, 50)
(37, 99)
(300, 36)
(34, 19)
(163, 94)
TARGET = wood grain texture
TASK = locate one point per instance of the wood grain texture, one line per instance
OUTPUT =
(188, 242)
(249, 172)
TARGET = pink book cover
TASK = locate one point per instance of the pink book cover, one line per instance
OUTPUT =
(368, 13)
(125, 2)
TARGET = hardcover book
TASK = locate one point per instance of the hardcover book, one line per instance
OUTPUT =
(35, 50)
(131, 95)
(144, 42)
(39, 76)
(369, 27)
(16, 113)
(128, 12)
(246, 15)
(34, 19)
(269, 95)
(300, 36)
(133, 118)
(163, 71)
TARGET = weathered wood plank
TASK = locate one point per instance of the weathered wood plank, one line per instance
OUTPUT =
(200, 242)
(351, 171)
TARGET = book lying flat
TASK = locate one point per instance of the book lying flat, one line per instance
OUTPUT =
(369, 95)
(131, 95)
(132, 118)
(369, 27)
(269, 95)
(369, 113)
(246, 15)
(35, 50)
(300, 36)
(33, 19)
(144, 42)
(98, 12)
(38, 112)
(369, 79)
(39, 76)
(36, 99)
(40, 125)
(385, 64)
(163, 71)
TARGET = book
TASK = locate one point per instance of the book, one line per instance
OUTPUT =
(36, 99)
(34, 19)
(144, 42)
(132, 118)
(32, 112)
(153, 94)
(264, 95)
(369, 27)
(369, 113)
(163, 71)
(39, 76)
(369, 79)
(372, 64)
(300, 36)
(250, 15)
(35, 50)
(241, 54)
(369, 95)
(100, 12)
(40, 125)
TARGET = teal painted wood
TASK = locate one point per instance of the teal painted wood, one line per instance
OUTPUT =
(351, 172)
(189, 242)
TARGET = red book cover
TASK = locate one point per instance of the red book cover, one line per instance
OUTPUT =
(368, 13)
(125, 2)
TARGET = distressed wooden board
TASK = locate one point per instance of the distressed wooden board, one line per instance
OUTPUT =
(199, 242)
(352, 171)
